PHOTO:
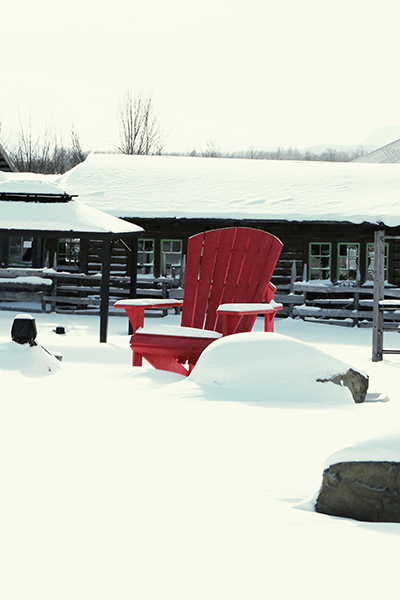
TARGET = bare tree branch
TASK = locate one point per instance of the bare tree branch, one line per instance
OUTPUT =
(139, 129)
(45, 153)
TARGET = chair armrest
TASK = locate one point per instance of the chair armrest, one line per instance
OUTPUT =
(148, 303)
(250, 309)
(135, 308)
(233, 312)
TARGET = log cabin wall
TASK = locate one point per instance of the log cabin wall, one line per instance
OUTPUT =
(296, 238)
(120, 259)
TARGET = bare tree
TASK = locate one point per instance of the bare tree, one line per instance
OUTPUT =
(140, 131)
(45, 152)
(25, 148)
(212, 150)
(251, 152)
(77, 155)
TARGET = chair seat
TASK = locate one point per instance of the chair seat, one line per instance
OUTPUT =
(171, 348)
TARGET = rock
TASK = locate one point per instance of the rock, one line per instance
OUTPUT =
(354, 380)
(366, 491)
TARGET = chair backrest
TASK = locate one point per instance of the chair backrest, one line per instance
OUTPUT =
(227, 265)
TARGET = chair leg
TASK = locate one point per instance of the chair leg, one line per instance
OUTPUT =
(137, 359)
(166, 363)
(269, 321)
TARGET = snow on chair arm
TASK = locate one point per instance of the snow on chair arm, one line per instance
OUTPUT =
(233, 312)
(148, 303)
(250, 309)
(135, 308)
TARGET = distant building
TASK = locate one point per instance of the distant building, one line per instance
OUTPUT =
(387, 154)
(6, 163)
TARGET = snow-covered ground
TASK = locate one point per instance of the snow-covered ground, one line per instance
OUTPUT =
(121, 483)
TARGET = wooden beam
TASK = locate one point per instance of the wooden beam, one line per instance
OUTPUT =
(105, 288)
(379, 291)
(132, 262)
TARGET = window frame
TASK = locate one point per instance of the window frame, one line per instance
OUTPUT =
(310, 256)
(386, 263)
(177, 266)
(65, 258)
(141, 266)
(338, 267)
(23, 239)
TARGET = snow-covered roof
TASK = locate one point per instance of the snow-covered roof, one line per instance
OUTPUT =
(387, 154)
(35, 202)
(6, 163)
(194, 187)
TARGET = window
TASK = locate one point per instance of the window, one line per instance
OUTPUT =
(348, 261)
(20, 250)
(145, 257)
(320, 261)
(68, 251)
(171, 258)
(370, 261)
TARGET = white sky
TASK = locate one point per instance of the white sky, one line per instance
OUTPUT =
(241, 73)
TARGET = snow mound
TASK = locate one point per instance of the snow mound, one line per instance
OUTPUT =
(382, 448)
(30, 183)
(31, 361)
(270, 366)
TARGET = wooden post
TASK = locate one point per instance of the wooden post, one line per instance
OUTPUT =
(305, 272)
(356, 303)
(292, 277)
(305, 275)
(105, 288)
(183, 272)
(133, 247)
(379, 293)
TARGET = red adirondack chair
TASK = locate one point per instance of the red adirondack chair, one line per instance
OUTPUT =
(227, 285)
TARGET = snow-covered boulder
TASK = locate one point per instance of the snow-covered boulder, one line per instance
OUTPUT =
(352, 379)
(271, 366)
(363, 481)
(365, 490)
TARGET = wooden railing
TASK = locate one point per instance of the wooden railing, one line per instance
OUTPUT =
(343, 303)
(52, 289)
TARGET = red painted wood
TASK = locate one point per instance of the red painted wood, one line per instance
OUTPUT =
(174, 351)
(135, 316)
(231, 319)
(210, 250)
(222, 272)
(232, 265)
(193, 263)
(237, 289)
(135, 309)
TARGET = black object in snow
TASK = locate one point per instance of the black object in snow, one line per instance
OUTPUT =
(23, 330)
